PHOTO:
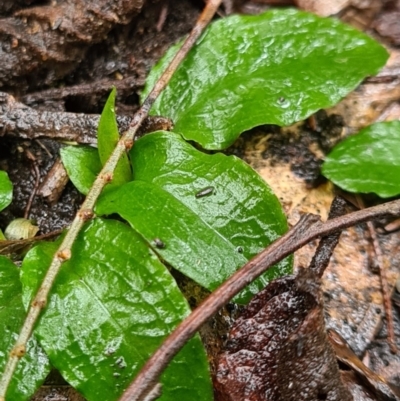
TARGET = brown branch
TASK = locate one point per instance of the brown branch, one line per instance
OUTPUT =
(21, 121)
(99, 87)
(307, 229)
(7, 247)
(63, 253)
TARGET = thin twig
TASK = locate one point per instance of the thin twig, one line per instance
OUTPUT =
(101, 86)
(163, 16)
(386, 293)
(86, 211)
(392, 226)
(20, 121)
(308, 229)
(7, 247)
(36, 171)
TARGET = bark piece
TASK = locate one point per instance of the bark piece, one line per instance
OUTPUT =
(17, 119)
(54, 183)
(47, 42)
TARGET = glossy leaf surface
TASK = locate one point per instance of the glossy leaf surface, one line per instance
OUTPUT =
(212, 212)
(275, 68)
(368, 161)
(110, 308)
(34, 366)
(6, 190)
(82, 164)
(107, 138)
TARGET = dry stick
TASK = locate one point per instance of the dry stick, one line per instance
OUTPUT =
(97, 87)
(307, 229)
(163, 16)
(386, 293)
(86, 211)
(35, 185)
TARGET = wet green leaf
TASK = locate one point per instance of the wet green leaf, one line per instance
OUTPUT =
(183, 239)
(275, 68)
(212, 212)
(82, 164)
(6, 190)
(34, 366)
(368, 161)
(112, 304)
(107, 138)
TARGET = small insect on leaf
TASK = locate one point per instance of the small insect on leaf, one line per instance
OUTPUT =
(205, 192)
(158, 243)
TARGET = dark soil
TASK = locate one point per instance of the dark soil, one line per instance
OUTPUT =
(128, 52)
(78, 78)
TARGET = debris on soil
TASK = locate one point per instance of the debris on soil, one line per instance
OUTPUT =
(379, 385)
(54, 183)
(387, 25)
(21, 121)
(278, 348)
(44, 43)
(74, 75)
(352, 292)
(324, 8)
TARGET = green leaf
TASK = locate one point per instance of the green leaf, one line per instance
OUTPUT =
(107, 138)
(274, 68)
(368, 161)
(111, 306)
(190, 245)
(82, 164)
(208, 237)
(6, 190)
(34, 366)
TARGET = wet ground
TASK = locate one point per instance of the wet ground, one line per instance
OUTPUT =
(287, 158)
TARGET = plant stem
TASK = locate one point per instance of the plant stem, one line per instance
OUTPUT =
(86, 211)
(307, 229)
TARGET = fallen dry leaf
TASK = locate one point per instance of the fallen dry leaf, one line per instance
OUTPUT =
(278, 348)
(323, 8)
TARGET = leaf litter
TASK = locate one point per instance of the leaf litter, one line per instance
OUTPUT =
(277, 349)
(351, 291)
